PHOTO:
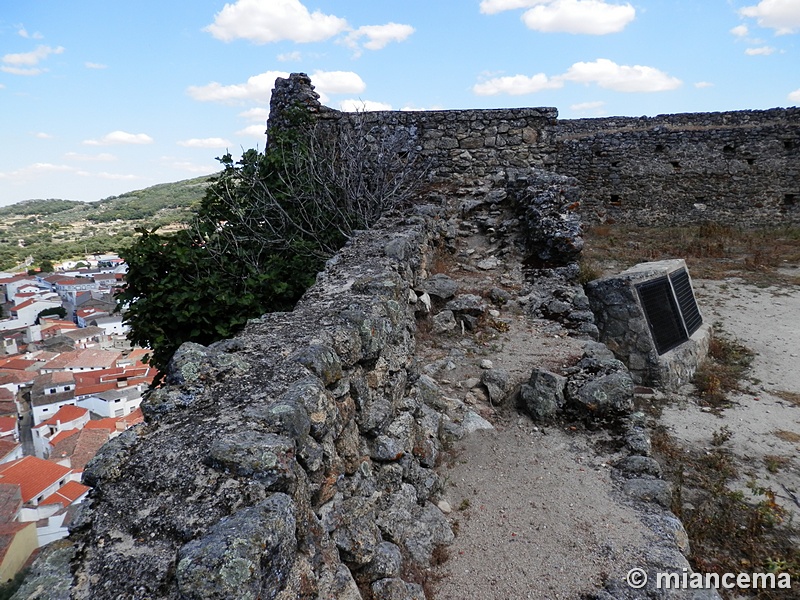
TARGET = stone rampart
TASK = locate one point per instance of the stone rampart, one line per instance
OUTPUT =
(738, 168)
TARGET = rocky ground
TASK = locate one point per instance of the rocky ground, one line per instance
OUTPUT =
(546, 510)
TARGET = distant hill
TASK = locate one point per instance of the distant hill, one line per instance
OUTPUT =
(57, 230)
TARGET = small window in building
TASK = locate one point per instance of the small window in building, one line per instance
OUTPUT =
(675, 165)
(788, 144)
(118, 400)
(52, 390)
(659, 147)
(615, 199)
(39, 499)
(45, 410)
(729, 150)
(751, 161)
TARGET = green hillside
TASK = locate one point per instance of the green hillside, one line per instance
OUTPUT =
(58, 230)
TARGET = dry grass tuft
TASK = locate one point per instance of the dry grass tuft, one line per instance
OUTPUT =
(730, 531)
(712, 250)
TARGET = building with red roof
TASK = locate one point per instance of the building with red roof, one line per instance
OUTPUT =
(18, 541)
(68, 417)
(9, 428)
(89, 359)
(9, 450)
(72, 492)
(36, 477)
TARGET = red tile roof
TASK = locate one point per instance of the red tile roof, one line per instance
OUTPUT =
(33, 475)
(67, 494)
(11, 376)
(62, 435)
(82, 389)
(19, 364)
(7, 447)
(10, 501)
(31, 302)
(65, 414)
(89, 442)
(107, 424)
(87, 358)
(8, 424)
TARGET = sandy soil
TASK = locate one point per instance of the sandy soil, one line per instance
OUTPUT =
(765, 427)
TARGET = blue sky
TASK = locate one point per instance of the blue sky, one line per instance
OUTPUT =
(99, 98)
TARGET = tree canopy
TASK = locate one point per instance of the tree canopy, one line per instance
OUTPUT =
(263, 230)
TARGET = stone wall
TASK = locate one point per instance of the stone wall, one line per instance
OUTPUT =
(295, 461)
(459, 147)
(739, 168)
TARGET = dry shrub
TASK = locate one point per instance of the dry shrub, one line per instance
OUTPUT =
(722, 371)
(729, 531)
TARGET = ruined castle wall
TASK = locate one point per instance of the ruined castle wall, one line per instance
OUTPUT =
(739, 167)
(290, 462)
(735, 167)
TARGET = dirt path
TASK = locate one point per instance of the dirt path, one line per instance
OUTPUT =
(535, 508)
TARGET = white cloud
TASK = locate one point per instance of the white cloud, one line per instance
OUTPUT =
(264, 22)
(740, 31)
(516, 85)
(259, 87)
(94, 65)
(781, 15)
(603, 72)
(592, 107)
(762, 51)
(213, 142)
(621, 78)
(593, 17)
(338, 82)
(120, 137)
(354, 105)
(20, 71)
(703, 84)
(102, 157)
(32, 58)
(295, 56)
(379, 36)
(258, 131)
(42, 135)
(795, 96)
(35, 170)
(28, 36)
(490, 7)
(255, 114)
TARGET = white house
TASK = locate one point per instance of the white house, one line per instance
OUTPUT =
(25, 314)
(118, 402)
(66, 418)
(49, 393)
